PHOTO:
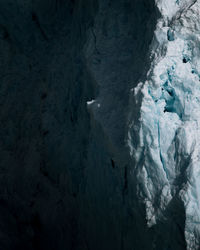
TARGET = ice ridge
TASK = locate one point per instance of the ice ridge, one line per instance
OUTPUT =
(165, 140)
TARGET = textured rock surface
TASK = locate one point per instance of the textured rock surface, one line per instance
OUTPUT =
(64, 167)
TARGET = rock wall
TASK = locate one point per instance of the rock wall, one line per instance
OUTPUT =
(65, 168)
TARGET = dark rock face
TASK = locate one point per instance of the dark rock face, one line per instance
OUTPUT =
(64, 165)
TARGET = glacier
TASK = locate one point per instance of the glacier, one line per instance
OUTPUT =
(164, 139)
(79, 78)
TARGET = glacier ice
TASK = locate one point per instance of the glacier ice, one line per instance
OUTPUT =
(165, 140)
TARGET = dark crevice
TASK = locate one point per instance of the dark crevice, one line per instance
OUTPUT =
(46, 132)
(113, 163)
(125, 186)
(185, 60)
(95, 41)
(36, 20)
(4, 34)
(44, 96)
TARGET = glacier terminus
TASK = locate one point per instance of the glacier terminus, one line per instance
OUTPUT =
(165, 139)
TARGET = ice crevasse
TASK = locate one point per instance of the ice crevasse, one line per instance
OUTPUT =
(165, 140)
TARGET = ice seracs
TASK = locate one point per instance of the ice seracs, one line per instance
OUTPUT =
(165, 141)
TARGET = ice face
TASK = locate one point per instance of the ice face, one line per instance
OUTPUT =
(167, 147)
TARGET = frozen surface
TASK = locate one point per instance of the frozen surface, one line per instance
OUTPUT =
(165, 139)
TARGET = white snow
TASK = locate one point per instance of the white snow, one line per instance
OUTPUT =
(90, 102)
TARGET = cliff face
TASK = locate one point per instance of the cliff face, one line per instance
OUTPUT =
(64, 164)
